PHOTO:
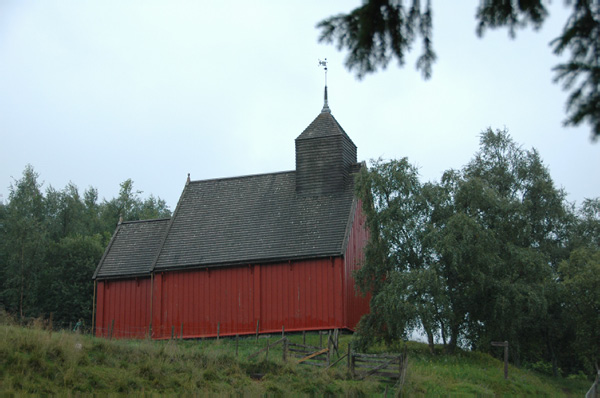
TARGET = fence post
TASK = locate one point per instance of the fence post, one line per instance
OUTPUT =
(218, 330)
(285, 347)
(329, 349)
(304, 337)
(320, 339)
(181, 333)
(282, 331)
(257, 325)
(400, 361)
(50, 326)
(505, 345)
(350, 361)
(336, 340)
(237, 338)
(172, 331)
(110, 331)
(506, 360)
(267, 355)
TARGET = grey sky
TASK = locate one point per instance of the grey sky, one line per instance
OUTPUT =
(96, 92)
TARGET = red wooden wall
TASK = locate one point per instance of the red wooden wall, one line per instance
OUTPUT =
(127, 302)
(299, 295)
(356, 304)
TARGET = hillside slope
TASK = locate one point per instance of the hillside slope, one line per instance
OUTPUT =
(39, 362)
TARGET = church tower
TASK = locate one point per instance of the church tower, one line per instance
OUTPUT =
(324, 156)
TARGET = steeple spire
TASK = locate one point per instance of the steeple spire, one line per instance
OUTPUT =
(325, 103)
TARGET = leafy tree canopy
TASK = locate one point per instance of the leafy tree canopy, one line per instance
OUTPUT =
(475, 257)
(381, 30)
(50, 244)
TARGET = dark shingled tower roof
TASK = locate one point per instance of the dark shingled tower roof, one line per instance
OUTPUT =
(306, 213)
(324, 157)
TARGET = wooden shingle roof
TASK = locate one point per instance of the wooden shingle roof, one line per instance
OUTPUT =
(254, 218)
(324, 156)
(324, 125)
(306, 213)
(132, 249)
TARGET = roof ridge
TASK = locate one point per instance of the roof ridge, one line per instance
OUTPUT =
(253, 261)
(106, 251)
(352, 215)
(166, 234)
(241, 177)
(147, 220)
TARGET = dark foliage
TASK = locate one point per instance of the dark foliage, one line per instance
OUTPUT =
(50, 245)
(492, 252)
(381, 30)
(378, 31)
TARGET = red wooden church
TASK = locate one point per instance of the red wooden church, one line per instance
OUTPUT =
(261, 251)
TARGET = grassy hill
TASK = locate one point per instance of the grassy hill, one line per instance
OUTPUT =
(36, 361)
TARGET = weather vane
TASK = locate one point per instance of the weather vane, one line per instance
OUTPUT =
(325, 102)
(324, 65)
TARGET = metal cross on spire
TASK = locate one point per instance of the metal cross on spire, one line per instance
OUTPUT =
(325, 104)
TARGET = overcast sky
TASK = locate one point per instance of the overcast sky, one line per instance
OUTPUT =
(95, 92)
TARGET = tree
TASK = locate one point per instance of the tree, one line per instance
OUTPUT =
(381, 30)
(66, 215)
(587, 227)
(131, 207)
(67, 287)
(466, 260)
(394, 207)
(50, 245)
(23, 243)
(581, 278)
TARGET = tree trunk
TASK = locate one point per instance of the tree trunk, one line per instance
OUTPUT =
(443, 331)
(552, 354)
(430, 341)
(453, 339)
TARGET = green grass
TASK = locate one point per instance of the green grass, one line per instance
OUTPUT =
(34, 361)
(474, 373)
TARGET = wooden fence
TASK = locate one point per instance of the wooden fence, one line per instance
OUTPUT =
(360, 366)
(594, 391)
(309, 355)
(377, 365)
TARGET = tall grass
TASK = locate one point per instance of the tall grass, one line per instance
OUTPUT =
(36, 361)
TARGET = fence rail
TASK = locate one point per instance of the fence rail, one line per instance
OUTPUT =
(594, 391)
(360, 366)
(309, 355)
(383, 365)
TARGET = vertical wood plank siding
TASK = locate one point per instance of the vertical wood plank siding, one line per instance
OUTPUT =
(356, 305)
(298, 295)
(127, 302)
